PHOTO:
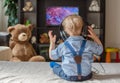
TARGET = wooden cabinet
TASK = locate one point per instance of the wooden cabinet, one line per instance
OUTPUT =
(97, 17)
(38, 17)
(29, 17)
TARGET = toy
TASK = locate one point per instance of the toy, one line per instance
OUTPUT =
(27, 22)
(44, 38)
(33, 40)
(109, 51)
(28, 6)
(94, 6)
(22, 50)
(11, 43)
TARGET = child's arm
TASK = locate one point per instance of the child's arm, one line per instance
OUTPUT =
(52, 42)
(94, 36)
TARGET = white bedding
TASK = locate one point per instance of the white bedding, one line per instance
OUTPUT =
(40, 72)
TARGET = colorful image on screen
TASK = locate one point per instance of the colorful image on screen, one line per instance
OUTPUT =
(55, 15)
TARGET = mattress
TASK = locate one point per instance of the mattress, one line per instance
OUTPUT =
(40, 72)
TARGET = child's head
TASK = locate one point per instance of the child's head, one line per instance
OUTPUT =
(72, 25)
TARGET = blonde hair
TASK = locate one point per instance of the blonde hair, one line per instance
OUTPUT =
(73, 24)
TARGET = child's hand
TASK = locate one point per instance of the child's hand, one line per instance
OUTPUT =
(52, 37)
(52, 42)
(91, 34)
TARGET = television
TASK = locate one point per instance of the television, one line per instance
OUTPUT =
(55, 15)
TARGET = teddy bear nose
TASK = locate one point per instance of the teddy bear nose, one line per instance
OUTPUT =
(24, 35)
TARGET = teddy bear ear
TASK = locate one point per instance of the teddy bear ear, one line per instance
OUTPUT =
(10, 29)
(30, 26)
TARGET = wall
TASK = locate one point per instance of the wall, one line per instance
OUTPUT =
(112, 33)
(3, 18)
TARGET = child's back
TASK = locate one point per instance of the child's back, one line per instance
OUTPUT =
(76, 52)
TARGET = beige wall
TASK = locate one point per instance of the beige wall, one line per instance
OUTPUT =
(112, 34)
(3, 18)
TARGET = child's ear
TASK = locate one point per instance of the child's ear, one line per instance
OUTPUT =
(10, 29)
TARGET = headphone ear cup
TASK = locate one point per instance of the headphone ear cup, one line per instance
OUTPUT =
(63, 34)
(85, 29)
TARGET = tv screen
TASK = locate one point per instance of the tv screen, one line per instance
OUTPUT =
(55, 15)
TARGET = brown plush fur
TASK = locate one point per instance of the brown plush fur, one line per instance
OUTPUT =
(11, 43)
(22, 50)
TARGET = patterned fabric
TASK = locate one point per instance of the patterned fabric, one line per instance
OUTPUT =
(68, 64)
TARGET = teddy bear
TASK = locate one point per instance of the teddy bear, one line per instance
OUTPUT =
(22, 49)
(28, 6)
(44, 38)
(94, 6)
